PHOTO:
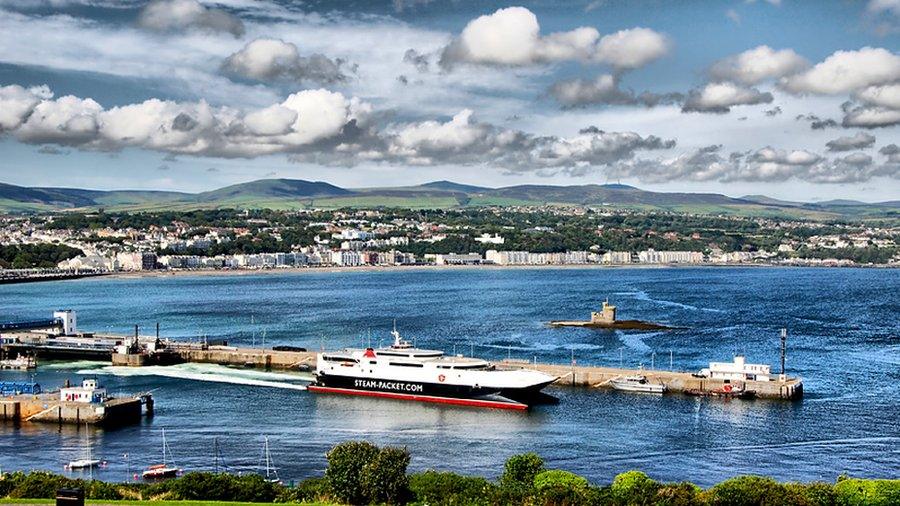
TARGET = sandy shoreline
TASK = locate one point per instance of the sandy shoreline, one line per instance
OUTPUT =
(436, 268)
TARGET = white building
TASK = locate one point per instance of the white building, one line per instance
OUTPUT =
(652, 256)
(490, 239)
(616, 257)
(739, 370)
(89, 391)
(69, 321)
(346, 258)
(458, 259)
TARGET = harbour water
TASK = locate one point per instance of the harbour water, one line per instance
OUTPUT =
(844, 341)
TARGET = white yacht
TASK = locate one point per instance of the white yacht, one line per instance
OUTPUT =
(637, 383)
(402, 371)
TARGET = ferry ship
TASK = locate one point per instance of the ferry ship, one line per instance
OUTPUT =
(402, 371)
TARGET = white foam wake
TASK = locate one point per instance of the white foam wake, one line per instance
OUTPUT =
(210, 372)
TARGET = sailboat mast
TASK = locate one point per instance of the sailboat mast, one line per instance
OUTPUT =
(216, 451)
(90, 463)
(267, 457)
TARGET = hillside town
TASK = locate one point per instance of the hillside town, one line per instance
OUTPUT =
(235, 240)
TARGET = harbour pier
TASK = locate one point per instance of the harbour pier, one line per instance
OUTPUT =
(787, 388)
(85, 404)
(61, 341)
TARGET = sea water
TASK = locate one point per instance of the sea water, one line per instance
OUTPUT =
(843, 340)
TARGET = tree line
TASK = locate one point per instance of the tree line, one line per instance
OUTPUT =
(360, 473)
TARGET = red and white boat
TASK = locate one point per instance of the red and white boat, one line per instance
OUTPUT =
(164, 470)
(402, 371)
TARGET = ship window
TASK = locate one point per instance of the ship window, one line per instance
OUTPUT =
(404, 364)
(373, 362)
(338, 359)
(474, 366)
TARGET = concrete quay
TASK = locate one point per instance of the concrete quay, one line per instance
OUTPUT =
(48, 408)
(578, 376)
(676, 382)
(245, 357)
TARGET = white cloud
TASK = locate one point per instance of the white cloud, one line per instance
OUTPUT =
(66, 120)
(17, 102)
(846, 71)
(166, 15)
(758, 64)
(720, 97)
(871, 117)
(511, 36)
(879, 6)
(859, 141)
(733, 15)
(273, 120)
(883, 96)
(604, 89)
(274, 59)
(631, 48)
(766, 165)
(196, 128)
(318, 125)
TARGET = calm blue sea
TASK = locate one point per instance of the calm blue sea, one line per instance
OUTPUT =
(844, 341)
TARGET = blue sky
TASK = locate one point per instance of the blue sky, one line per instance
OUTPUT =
(670, 96)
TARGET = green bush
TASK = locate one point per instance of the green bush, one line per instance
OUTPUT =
(751, 491)
(677, 494)
(217, 487)
(558, 487)
(309, 490)
(854, 492)
(450, 489)
(40, 485)
(520, 470)
(633, 487)
(346, 462)
(384, 478)
(816, 493)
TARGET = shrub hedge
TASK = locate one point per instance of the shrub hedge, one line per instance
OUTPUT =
(362, 473)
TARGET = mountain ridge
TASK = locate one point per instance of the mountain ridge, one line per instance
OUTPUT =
(285, 193)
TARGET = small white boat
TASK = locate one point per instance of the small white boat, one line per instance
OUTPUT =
(84, 464)
(271, 470)
(88, 461)
(637, 383)
(21, 363)
(164, 470)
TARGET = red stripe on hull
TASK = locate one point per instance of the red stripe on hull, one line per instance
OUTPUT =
(421, 398)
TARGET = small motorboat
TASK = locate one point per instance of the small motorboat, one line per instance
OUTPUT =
(637, 383)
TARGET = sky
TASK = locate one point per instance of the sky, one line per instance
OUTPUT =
(794, 100)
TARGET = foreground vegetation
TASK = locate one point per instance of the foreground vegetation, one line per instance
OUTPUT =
(362, 473)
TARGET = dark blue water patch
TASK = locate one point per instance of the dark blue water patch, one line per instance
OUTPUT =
(843, 330)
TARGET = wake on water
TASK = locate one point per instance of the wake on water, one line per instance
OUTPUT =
(77, 365)
(210, 372)
(642, 295)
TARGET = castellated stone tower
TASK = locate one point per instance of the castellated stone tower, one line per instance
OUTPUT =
(606, 315)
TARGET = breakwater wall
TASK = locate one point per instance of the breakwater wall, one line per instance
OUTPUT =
(49, 409)
(675, 381)
(576, 376)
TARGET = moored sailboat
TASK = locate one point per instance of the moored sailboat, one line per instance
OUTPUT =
(164, 470)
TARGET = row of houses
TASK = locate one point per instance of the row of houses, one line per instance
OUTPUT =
(136, 261)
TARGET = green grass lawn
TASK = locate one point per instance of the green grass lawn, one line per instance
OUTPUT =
(143, 503)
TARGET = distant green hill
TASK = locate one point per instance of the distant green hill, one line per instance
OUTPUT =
(286, 194)
(272, 189)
